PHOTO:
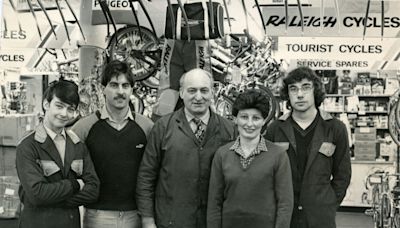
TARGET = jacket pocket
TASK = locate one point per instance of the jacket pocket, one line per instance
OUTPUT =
(77, 166)
(327, 149)
(49, 167)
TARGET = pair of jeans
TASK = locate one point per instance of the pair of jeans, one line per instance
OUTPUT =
(94, 218)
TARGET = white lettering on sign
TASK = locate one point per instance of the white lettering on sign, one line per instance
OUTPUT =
(116, 4)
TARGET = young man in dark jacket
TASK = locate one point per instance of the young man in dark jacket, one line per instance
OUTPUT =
(174, 174)
(116, 138)
(318, 149)
(54, 167)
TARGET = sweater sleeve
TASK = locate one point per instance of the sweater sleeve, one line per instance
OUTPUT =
(90, 191)
(216, 193)
(283, 191)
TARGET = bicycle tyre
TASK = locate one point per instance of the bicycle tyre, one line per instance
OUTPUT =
(127, 39)
(385, 209)
(396, 219)
(393, 124)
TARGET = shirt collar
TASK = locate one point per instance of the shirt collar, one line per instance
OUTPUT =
(324, 115)
(261, 147)
(104, 114)
(52, 134)
(205, 118)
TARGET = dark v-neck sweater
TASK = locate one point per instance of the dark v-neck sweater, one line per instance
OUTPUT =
(116, 156)
(303, 140)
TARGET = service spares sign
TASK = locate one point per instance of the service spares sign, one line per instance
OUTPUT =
(344, 53)
(332, 18)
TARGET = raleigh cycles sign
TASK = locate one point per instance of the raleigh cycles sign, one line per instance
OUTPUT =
(346, 19)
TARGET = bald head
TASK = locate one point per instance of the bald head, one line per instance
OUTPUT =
(196, 91)
(195, 73)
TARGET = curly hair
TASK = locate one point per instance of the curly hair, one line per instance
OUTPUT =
(249, 99)
(114, 69)
(299, 74)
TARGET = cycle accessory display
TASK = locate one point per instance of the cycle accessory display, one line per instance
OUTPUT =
(201, 16)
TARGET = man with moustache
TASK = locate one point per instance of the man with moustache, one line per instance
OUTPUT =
(116, 138)
(318, 150)
(174, 174)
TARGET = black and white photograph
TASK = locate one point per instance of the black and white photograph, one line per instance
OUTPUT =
(199, 114)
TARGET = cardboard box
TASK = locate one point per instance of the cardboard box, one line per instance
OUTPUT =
(365, 134)
(9, 200)
(365, 150)
(14, 127)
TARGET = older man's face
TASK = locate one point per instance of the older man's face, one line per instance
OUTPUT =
(197, 93)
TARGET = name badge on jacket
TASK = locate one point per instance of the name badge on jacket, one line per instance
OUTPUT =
(327, 149)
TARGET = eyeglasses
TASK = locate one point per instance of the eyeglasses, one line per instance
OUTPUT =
(304, 88)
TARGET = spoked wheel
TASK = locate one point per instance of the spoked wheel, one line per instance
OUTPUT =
(393, 124)
(396, 219)
(142, 53)
(385, 210)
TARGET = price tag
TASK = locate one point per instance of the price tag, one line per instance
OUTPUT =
(9, 191)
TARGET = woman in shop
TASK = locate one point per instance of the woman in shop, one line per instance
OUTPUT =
(250, 183)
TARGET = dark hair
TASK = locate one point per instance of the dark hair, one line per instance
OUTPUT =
(252, 98)
(66, 91)
(114, 69)
(299, 74)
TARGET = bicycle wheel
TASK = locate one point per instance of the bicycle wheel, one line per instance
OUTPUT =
(393, 124)
(152, 81)
(396, 219)
(141, 53)
(385, 209)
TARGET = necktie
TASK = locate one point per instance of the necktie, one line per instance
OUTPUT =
(200, 129)
(59, 141)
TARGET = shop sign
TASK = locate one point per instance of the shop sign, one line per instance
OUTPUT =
(333, 53)
(14, 57)
(345, 20)
(115, 5)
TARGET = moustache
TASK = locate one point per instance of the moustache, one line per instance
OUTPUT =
(120, 96)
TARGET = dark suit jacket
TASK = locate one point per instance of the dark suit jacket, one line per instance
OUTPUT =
(49, 190)
(174, 174)
(327, 173)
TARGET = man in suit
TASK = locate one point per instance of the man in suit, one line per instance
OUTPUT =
(174, 174)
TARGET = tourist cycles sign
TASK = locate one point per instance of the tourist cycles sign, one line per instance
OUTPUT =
(325, 18)
(344, 53)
